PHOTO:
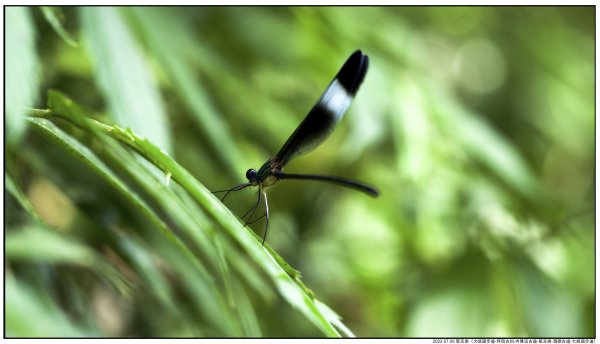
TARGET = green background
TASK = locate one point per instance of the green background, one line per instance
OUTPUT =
(476, 124)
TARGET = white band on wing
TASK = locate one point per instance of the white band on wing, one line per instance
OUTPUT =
(336, 99)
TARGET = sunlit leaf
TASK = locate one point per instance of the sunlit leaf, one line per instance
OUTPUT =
(22, 70)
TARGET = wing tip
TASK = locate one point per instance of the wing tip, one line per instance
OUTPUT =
(353, 72)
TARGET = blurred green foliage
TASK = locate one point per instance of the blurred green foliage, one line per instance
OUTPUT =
(476, 123)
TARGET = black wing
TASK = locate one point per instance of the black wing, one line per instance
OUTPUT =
(328, 111)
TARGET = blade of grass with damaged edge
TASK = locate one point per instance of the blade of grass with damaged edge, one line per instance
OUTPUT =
(281, 275)
(200, 279)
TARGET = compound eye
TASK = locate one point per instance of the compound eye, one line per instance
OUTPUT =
(251, 174)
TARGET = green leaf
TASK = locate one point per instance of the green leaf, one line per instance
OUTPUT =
(34, 243)
(37, 243)
(123, 75)
(169, 40)
(291, 291)
(26, 306)
(282, 275)
(334, 318)
(17, 193)
(51, 15)
(21, 67)
(82, 152)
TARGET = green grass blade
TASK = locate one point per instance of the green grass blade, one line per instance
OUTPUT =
(51, 131)
(123, 75)
(295, 294)
(36, 243)
(51, 14)
(166, 35)
(17, 193)
(291, 291)
(27, 306)
(22, 67)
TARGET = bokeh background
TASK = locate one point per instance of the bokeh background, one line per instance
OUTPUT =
(476, 123)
